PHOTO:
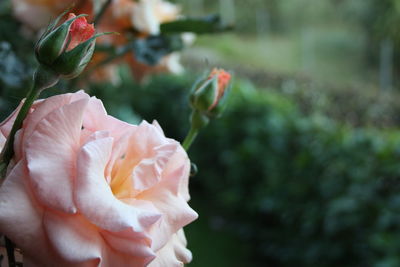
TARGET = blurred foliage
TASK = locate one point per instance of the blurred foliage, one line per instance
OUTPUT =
(207, 24)
(296, 190)
(16, 63)
(152, 49)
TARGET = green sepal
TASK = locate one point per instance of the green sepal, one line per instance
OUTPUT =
(52, 25)
(71, 63)
(54, 43)
(204, 97)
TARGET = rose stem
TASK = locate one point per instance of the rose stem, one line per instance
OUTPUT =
(102, 11)
(197, 122)
(190, 138)
(42, 79)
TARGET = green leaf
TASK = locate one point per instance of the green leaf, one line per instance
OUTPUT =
(152, 49)
(207, 24)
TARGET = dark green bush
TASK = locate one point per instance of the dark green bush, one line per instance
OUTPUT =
(300, 191)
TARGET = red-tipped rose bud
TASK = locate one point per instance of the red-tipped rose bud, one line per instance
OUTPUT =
(208, 99)
(67, 49)
(209, 95)
(56, 39)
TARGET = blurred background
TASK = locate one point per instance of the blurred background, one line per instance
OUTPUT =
(303, 169)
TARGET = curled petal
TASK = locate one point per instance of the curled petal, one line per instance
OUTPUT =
(92, 187)
(74, 238)
(148, 172)
(51, 152)
(48, 106)
(174, 253)
(18, 207)
(177, 213)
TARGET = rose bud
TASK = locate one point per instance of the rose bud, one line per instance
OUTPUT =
(209, 95)
(67, 49)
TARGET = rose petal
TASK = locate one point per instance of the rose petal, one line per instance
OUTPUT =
(148, 172)
(80, 31)
(51, 152)
(91, 187)
(48, 106)
(142, 142)
(135, 248)
(174, 253)
(77, 241)
(18, 207)
(96, 118)
(176, 211)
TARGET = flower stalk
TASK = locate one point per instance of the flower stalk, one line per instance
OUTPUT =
(102, 11)
(208, 99)
(42, 79)
(197, 121)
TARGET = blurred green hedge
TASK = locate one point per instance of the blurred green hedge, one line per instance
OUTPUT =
(298, 191)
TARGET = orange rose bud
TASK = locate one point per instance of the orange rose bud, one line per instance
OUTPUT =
(209, 95)
(67, 49)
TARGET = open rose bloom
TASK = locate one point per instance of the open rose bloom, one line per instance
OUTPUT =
(85, 189)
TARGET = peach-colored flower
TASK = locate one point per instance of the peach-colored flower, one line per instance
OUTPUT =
(85, 189)
(143, 16)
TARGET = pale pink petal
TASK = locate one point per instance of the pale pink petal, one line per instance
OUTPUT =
(181, 252)
(149, 136)
(18, 207)
(6, 125)
(179, 159)
(138, 248)
(48, 106)
(174, 253)
(119, 148)
(148, 172)
(157, 125)
(96, 118)
(113, 258)
(109, 213)
(141, 145)
(74, 238)
(51, 156)
(176, 211)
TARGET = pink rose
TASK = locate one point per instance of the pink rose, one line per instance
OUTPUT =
(85, 189)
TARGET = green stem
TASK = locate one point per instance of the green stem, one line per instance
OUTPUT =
(197, 122)
(190, 138)
(43, 78)
(102, 11)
